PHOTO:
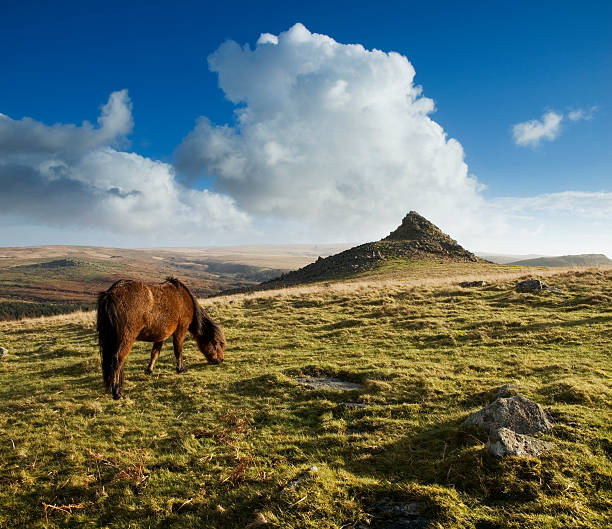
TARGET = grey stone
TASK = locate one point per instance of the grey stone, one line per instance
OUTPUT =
(469, 284)
(530, 285)
(352, 405)
(516, 413)
(3, 352)
(328, 383)
(386, 515)
(507, 390)
(505, 442)
(301, 478)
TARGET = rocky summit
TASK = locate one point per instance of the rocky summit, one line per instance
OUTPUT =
(415, 238)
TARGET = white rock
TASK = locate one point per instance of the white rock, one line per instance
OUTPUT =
(505, 442)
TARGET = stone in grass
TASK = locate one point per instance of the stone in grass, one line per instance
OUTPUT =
(301, 478)
(387, 515)
(258, 520)
(505, 442)
(470, 284)
(3, 352)
(507, 390)
(328, 383)
(352, 405)
(516, 413)
(530, 285)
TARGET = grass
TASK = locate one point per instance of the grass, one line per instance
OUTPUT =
(214, 447)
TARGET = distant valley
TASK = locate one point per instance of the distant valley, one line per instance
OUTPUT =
(46, 280)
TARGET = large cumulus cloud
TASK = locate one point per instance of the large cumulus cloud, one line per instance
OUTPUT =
(334, 135)
(67, 175)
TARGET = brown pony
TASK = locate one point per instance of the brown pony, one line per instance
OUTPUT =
(132, 310)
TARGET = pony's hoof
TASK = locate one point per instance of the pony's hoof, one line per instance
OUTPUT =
(180, 370)
(148, 371)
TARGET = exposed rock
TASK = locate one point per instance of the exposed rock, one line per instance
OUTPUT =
(530, 285)
(396, 515)
(258, 520)
(507, 390)
(328, 383)
(3, 352)
(352, 405)
(505, 442)
(554, 290)
(470, 284)
(301, 478)
(415, 238)
(516, 413)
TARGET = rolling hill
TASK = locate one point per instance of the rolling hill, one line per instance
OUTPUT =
(45, 280)
(589, 259)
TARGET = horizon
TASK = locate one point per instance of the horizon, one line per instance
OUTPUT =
(191, 127)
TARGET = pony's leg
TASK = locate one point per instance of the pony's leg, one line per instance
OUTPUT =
(154, 354)
(177, 341)
(122, 353)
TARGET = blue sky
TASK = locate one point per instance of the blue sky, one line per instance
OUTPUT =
(487, 66)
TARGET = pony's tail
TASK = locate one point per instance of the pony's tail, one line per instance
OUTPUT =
(108, 337)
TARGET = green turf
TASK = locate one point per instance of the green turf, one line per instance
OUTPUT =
(215, 446)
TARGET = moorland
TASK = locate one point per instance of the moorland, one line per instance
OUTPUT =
(221, 446)
(47, 280)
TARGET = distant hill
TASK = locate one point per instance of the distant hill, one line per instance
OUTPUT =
(502, 258)
(46, 280)
(415, 238)
(585, 259)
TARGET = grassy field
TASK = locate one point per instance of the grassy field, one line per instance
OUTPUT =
(216, 446)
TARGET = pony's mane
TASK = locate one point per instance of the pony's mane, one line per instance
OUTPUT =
(201, 323)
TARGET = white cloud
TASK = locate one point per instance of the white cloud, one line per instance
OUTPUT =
(64, 175)
(331, 143)
(580, 114)
(556, 223)
(532, 132)
(333, 136)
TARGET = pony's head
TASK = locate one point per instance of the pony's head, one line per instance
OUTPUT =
(207, 333)
(212, 345)
(209, 337)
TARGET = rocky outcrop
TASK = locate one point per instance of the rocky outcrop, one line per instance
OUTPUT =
(509, 421)
(415, 238)
(517, 413)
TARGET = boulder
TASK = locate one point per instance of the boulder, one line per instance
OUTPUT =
(530, 285)
(505, 442)
(516, 413)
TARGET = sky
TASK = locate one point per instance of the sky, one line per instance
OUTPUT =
(140, 124)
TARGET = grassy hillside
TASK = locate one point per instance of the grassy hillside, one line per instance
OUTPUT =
(215, 447)
(587, 259)
(46, 280)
